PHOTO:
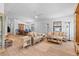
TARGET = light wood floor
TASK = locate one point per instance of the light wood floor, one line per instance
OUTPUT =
(43, 48)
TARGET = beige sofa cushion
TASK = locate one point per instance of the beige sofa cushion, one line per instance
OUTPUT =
(61, 34)
(49, 33)
(31, 34)
(34, 34)
(56, 33)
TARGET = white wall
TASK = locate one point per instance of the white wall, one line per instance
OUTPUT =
(40, 24)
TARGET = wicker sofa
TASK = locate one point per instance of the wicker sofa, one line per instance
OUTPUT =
(36, 37)
(56, 37)
(26, 41)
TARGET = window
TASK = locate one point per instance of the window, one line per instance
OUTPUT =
(57, 26)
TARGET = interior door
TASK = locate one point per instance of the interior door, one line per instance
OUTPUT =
(77, 24)
(77, 28)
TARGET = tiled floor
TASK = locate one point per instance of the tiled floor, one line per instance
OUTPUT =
(43, 48)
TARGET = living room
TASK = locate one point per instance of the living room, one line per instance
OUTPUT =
(40, 28)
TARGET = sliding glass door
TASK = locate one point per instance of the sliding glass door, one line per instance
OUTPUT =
(1, 32)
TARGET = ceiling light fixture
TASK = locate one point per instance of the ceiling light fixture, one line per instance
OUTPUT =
(36, 16)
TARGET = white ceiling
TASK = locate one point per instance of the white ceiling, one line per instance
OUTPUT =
(39, 9)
